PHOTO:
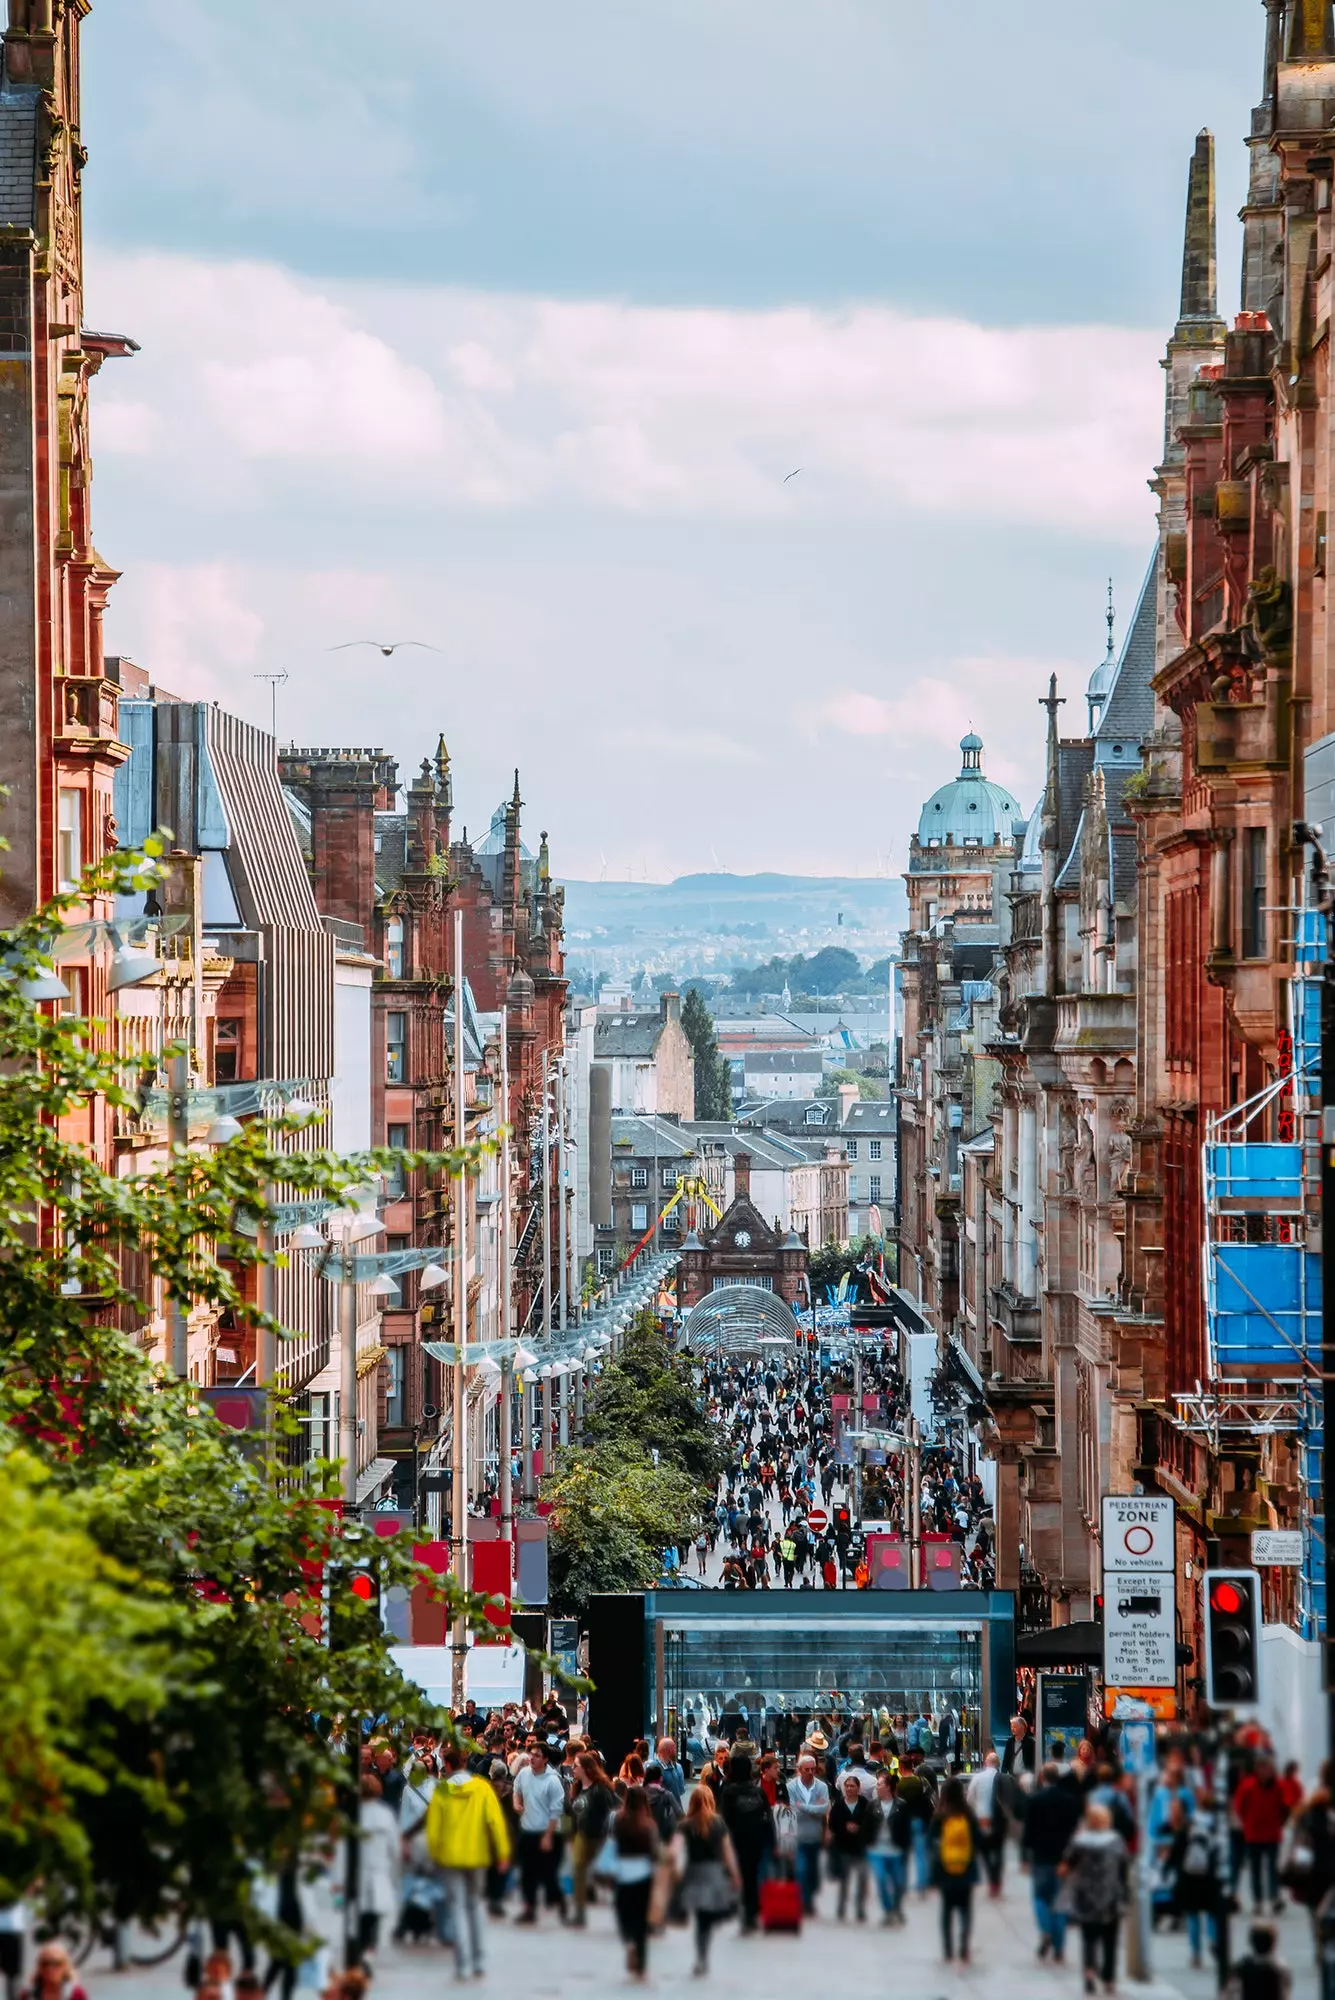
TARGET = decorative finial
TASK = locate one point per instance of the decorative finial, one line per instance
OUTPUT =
(544, 859)
(515, 800)
(1112, 620)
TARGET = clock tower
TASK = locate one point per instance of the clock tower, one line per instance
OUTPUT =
(743, 1249)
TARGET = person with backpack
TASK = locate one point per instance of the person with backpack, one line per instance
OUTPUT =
(1196, 1866)
(1095, 1872)
(1259, 1975)
(954, 1840)
(749, 1819)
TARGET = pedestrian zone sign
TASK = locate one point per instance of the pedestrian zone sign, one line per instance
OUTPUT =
(1139, 1592)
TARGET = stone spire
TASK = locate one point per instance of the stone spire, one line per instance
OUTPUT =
(1311, 32)
(1200, 288)
(1050, 841)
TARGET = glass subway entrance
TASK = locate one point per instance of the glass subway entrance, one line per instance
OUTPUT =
(717, 1659)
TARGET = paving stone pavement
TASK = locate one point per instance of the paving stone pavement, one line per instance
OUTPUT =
(864, 1960)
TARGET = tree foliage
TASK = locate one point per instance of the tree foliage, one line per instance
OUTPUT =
(166, 1652)
(713, 1079)
(616, 1510)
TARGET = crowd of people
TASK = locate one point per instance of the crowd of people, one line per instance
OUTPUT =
(518, 1817)
(787, 1453)
(770, 1816)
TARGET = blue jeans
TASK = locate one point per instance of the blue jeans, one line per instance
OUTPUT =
(888, 1870)
(922, 1873)
(1045, 1882)
(1198, 1924)
(807, 1870)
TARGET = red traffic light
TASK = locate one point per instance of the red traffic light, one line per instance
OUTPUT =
(1227, 1598)
(363, 1586)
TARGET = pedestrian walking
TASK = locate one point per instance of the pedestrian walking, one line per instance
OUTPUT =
(1262, 1813)
(1196, 1867)
(1051, 1816)
(1094, 1873)
(809, 1798)
(706, 1865)
(378, 1876)
(1260, 1974)
(635, 1845)
(750, 1822)
(592, 1804)
(540, 1802)
(986, 1807)
(954, 1843)
(466, 1834)
(887, 1857)
(852, 1828)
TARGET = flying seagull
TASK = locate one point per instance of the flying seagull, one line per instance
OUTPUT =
(791, 475)
(381, 647)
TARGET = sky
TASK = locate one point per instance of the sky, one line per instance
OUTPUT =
(501, 329)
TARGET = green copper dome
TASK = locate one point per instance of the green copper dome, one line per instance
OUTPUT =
(971, 811)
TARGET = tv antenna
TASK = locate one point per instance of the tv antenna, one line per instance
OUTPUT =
(275, 682)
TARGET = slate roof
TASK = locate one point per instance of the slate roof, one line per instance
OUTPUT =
(647, 1138)
(784, 1062)
(1128, 713)
(18, 157)
(625, 1034)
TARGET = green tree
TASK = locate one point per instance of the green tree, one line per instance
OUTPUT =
(613, 1514)
(713, 1079)
(617, 1506)
(159, 1786)
(868, 1086)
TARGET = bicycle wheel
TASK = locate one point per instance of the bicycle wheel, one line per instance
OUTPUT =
(150, 1947)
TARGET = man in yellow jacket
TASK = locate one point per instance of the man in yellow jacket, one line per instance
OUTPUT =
(466, 1834)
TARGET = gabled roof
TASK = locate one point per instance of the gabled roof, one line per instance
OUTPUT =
(1128, 713)
(626, 1034)
(644, 1138)
(742, 1213)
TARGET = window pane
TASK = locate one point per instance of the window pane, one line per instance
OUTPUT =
(396, 1054)
(70, 857)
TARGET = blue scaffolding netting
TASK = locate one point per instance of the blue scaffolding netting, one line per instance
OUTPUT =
(1262, 1263)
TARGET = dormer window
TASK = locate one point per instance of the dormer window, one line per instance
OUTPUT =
(394, 948)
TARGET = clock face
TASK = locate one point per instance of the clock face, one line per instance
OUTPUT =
(743, 1239)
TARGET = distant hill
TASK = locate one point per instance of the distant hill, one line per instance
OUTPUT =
(745, 905)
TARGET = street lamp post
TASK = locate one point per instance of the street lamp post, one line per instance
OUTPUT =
(505, 1481)
(459, 1483)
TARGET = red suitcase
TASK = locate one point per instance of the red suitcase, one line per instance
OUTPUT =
(780, 1905)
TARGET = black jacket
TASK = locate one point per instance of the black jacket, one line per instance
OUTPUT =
(1051, 1816)
(747, 1816)
(1026, 1758)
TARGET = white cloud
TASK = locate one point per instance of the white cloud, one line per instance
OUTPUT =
(464, 400)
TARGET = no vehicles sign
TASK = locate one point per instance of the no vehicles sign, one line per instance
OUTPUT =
(1139, 1592)
(1137, 1533)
